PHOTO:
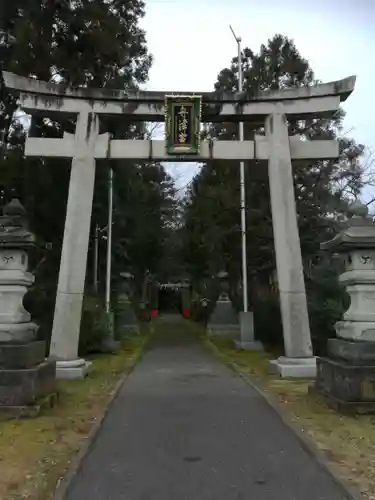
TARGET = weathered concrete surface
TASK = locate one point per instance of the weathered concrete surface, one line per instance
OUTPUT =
(342, 88)
(185, 427)
(72, 275)
(133, 149)
(295, 320)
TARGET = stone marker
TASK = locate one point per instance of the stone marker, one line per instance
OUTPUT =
(224, 319)
(346, 376)
(27, 379)
(126, 319)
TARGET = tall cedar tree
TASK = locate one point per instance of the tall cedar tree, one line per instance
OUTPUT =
(212, 205)
(89, 43)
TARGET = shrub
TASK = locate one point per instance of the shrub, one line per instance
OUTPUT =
(40, 303)
(95, 326)
(327, 301)
(267, 321)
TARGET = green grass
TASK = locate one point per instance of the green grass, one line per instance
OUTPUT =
(35, 454)
(347, 442)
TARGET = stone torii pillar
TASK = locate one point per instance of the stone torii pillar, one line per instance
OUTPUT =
(68, 308)
(299, 360)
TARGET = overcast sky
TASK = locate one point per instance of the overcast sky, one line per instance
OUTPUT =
(191, 42)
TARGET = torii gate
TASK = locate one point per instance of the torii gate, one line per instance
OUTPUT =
(87, 145)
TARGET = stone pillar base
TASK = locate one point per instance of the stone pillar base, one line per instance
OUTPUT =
(27, 379)
(75, 369)
(346, 377)
(293, 367)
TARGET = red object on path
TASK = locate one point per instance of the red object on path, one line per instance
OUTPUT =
(154, 313)
(186, 313)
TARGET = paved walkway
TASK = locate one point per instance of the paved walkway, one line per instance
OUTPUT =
(185, 427)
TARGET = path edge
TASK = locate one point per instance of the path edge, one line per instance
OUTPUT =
(351, 492)
(63, 486)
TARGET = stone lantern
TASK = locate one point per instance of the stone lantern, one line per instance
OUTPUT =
(224, 319)
(127, 323)
(223, 279)
(346, 376)
(26, 377)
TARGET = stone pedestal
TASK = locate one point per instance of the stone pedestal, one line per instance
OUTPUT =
(27, 379)
(346, 375)
(224, 319)
(247, 340)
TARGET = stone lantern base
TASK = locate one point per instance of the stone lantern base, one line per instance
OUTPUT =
(346, 376)
(27, 379)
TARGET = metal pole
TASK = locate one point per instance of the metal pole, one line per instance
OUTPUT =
(109, 243)
(96, 257)
(242, 186)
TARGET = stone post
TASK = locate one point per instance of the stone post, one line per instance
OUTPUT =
(346, 375)
(247, 341)
(70, 290)
(299, 360)
(25, 376)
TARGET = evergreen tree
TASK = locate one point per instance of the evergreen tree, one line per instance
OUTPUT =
(87, 43)
(212, 210)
